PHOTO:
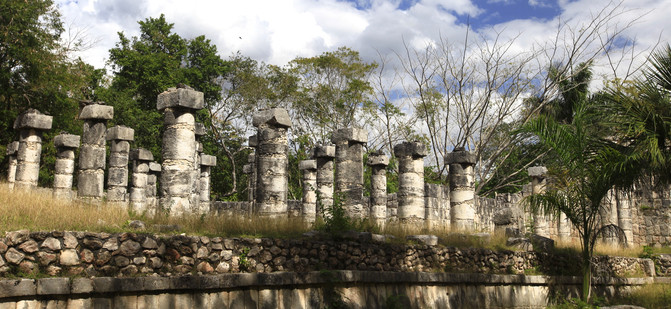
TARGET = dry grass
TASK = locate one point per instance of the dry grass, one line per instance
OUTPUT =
(651, 296)
(603, 248)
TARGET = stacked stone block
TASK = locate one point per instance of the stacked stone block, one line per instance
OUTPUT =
(462, 189)
(12, 150)
(249, 169)
(30, 123)
(117, 173)
(195, 188)
(378, 162)
(538, 176)
(138, 192)
(436, 205)
(324, 155)
(624, 215)
(349, 169)
(206, 164)
(65, 164)
(411, 205)
(179, 146)
(91, 177)
(151, 188)
(272, 161)
(309, 203)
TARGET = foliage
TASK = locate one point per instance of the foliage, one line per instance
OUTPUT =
(586, 165)
(333, 92)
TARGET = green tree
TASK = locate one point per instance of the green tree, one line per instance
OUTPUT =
(333, 92)
(585, 166)
(36, 71)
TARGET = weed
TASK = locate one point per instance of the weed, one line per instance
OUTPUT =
(244, 262)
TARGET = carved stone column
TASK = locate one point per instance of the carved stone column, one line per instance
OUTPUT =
(12, 150)
(138, 192)
(349, 170)
(538, 176)
(272, 161)
(411, 205)
(31, 123)
(462, 189)
(206, 164)
(65, 164)
(179, 147)
(117, 172)
(378, 162)
(324, 156)
(309, 204)
(91, 177)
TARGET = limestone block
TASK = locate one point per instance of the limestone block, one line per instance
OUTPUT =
(247, 169)
(139, 180)
(199, 146)
(253, 141)
(118, 159)
(64, 166)
(378, 159)
(67, 141)
(179, 182)
(325, 151)
(200, 129)
(97, 111)
(117, 176)
(460, 156)
(90, 184)
(410, 149)
(537, 171)
(141, 167)
(179, 144)
(116, 193)
(429, 240)
(275, 117)
(307, 165)
(154, 167)
(208, 160)
(120, 133)
(92, 157)
(180, 97)
(94, 133)
(12, 148)
(33, 119)
(350, 135)
(141, 154)
(63, 181)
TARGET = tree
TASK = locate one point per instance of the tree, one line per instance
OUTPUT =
(147, 65)
(586, 166)
(333, 92)
(463, 93)
(37, 70)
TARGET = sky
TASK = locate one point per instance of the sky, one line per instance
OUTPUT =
(277, 31)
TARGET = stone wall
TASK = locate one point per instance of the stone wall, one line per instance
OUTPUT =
(350, 289)
(129, 254)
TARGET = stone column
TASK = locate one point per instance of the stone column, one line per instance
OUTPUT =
(462, 189)
(91, 176)
(272, 161)
(538, 176)
(12, 149)
(349, 169)
(624, 215)
(30, 123)
(206, 164)
(195, 188)
(324, 156)
(179, 146)
(309, 205)
(138, 192)
(411, 205)
(117, 173)
(250, 170)
(150, 189)
(378, 162)
(65, 164)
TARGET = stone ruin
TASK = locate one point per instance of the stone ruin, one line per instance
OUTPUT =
(335, 171)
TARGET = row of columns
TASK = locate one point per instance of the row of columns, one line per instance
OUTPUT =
(185, 171)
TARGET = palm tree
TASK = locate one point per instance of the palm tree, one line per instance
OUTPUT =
(584, 167)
